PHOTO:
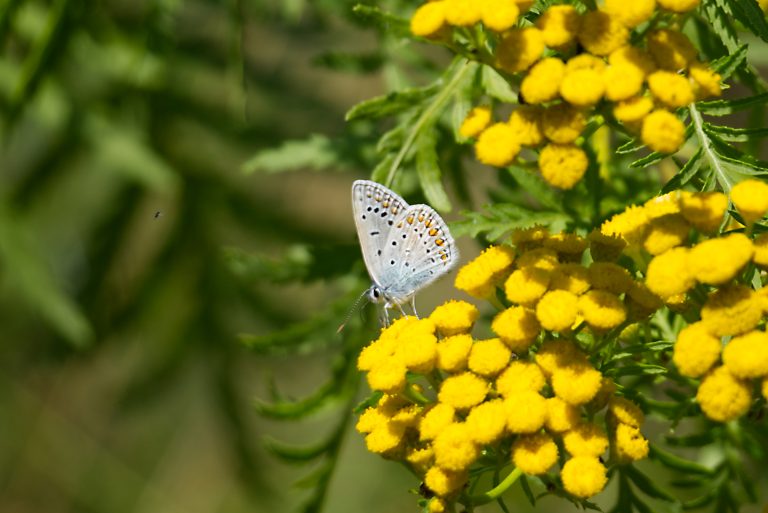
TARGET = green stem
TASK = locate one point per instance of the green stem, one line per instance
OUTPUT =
(427, 116)
(709, 152)
(496, 492)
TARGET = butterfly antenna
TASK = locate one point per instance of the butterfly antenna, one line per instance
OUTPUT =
(352, 310)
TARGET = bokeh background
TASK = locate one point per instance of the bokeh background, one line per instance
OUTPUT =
(135, 248)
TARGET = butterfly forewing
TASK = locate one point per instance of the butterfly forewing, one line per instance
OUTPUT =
(375, 209)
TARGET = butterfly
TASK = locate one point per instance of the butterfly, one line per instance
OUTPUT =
(405, 247)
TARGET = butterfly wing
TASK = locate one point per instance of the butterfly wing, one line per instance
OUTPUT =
(418, 250)
(375, 209)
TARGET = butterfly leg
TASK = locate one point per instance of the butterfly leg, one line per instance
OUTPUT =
(402, 311)
(413, 306)
(384, 319)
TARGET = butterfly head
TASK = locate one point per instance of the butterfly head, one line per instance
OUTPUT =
(375, 294)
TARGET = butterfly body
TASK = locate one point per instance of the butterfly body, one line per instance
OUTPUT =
(405, 247)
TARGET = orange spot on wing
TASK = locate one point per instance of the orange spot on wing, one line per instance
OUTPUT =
(439, 242)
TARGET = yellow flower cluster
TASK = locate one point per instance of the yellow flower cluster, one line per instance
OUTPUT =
(572, 65)
(537, 397)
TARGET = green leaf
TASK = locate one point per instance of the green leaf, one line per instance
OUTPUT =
(638, 369)
(497, 86)
(750, 15)
(648, 160)
(687, 173)
(295, 454)
(370, 401)
(728, 64)
(500, 218)
(534, 185)
(391, 103)
(379, 173)
(720, 22)
(428, 170)
(647, 485)
(675, 462)
(316, 152)
(725, 107)
(463, 101)
(631, 146)
(375, 17)
(527, 490)
(730, 134)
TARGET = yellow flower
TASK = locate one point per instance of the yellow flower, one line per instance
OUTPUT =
(641, 301)
(408, 416)
(557, 310)
(370, 419)
(436, 505)
(499, 15)
(520, 376)
(585, 61)
(554, 355)
(631, 14)
(670, 49)
(582, 87)
(417, 347)
(559, 25)
(731, 310)
(764, 388)
(376, 352)
(626, 412)
(463, 391)
(668, 274)
(761, 250)
(663, 205)
(486, 422)
(542, 83)
(751, 199)
(454, 448)
(519, 49)
(605, 247)
(562, 123)
(630, 443)
(666, 232)
(746, 356)
(562, 165)
(444, 482)
(517, 327)
(583, 476)
(429, 19)
(671, 89)
(435, 420)
(705, 80)
(526, 239)
(526, 122)
(630, 224)
(488, 357)
(462, 13)
(525, 412)
(479, 277)
(717, 261)
(622, 81)
(704, 210)
(561, 416)
(634, 57)
(541, 258)
(576, 383)
(526, 285)
(662, 131)
(633, 109)
(586, 439)
(477, 119)
(420, 459)
(453, 353)
(385, 438)
(570, 244)
(534, 454)
(454, 317)
(600, 33)
(679, 6)
(387, 376)
(722, 396)
(497, 145)
(609, 276)
(696, 350)
(602, 310)
(605, 394)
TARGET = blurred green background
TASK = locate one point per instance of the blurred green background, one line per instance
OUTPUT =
(125, 129)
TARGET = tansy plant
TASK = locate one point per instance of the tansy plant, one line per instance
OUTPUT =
(617, 312)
